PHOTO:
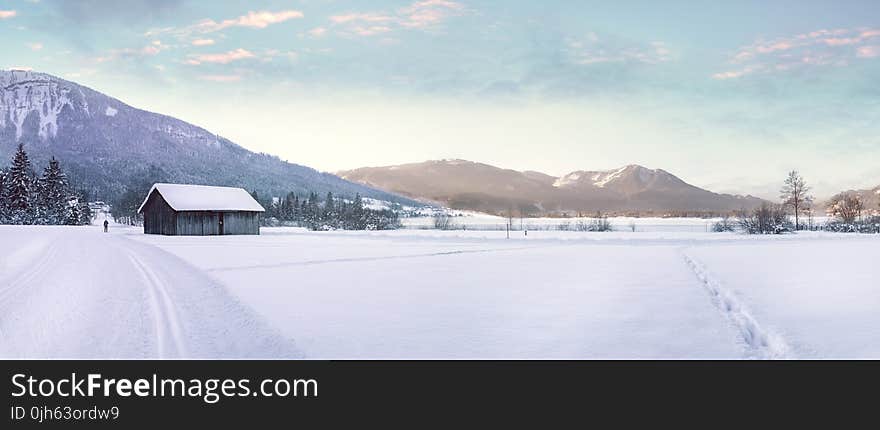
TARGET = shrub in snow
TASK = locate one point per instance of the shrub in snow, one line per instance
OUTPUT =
(724, 225)
(766, 219)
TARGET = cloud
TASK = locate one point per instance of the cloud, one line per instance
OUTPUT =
(202, 42)
(872, 51)
(318, 31)
(35, 46)
(253, 19)
(429, 13)
(259, 20)
(425, 14)
(591, 49)
(823, 47)
(4, 14)
(221, 58)
(152, 49)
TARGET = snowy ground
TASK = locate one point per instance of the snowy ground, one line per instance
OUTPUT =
(76, 292)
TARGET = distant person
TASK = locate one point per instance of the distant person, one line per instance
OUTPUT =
(106, 224)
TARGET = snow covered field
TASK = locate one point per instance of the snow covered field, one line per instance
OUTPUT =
(76, 292)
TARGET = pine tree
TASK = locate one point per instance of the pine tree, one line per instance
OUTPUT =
(19, 189)
(3, 206)
(72, 215)
(85, 212)
(53, 194)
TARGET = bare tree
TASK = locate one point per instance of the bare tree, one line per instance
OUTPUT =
(442, 221)
(847, 206)
(795, 195)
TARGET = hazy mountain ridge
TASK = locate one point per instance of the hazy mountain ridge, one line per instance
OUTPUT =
(105, 144)
(464, 184)
(870, 199)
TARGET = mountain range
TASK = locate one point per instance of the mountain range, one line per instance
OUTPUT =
(481, 187)
(107, 146)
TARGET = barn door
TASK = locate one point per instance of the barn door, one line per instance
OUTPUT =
(221, 224)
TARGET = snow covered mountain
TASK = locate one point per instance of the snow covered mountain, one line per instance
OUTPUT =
(107, 146)
(467, 185)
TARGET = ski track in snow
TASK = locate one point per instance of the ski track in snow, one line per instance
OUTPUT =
(169, 337)
(761, 342)
(132, 300)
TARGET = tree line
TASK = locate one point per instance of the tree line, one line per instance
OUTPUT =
(847, 209)
(331, 213)
(49, 199)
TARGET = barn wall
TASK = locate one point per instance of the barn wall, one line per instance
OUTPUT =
(204, 223)
(159, 218)
(241, 223)
(200, 223)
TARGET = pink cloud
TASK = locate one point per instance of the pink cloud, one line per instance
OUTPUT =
(318, 31)
(778, 46)
(36, 46)
(253, 19)
(428, 12)
(838, 41)
(872, 51)
(4, 14)
(202, 42)
(372, 30)
(421, 14)
(823, 47)
(360, 17)
(221, 58)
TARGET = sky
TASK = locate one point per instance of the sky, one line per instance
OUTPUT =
(727, 95)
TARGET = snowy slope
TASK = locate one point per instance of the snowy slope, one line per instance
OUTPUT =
(79, 293)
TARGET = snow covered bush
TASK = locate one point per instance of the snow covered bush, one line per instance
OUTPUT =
(724, 225)
(766, 219)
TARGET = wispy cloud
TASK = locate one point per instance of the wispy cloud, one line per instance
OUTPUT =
(35, 46)
(152, 49)
(872, 51)
(591, 49)
(318, 31)
(259, 20)
(221, 58)
(202, 42)
(4, 14)
(425, 14)
(817, 48)
(252, 19)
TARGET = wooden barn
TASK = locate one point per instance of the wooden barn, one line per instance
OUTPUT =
(198, 210)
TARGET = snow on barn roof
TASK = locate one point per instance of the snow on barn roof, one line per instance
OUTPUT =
(204, 198)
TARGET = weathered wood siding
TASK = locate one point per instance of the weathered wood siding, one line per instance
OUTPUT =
(207, 223)
(241, 223)
(159, 218)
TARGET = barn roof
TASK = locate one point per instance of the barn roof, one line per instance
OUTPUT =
(204, 198)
